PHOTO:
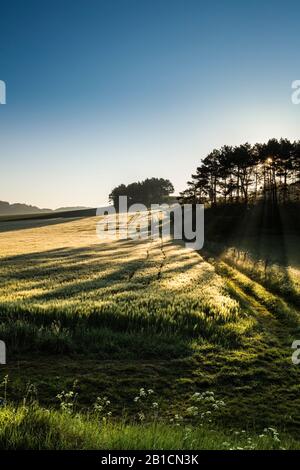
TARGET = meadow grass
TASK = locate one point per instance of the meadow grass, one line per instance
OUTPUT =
(280, 278)
(274, 304)
(36, 428)
(122, 315)
(57, 299)
(30, 426)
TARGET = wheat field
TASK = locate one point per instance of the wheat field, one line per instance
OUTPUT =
(119, 315)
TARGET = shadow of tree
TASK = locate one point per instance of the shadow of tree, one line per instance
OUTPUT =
(263, 245)
(114, 285)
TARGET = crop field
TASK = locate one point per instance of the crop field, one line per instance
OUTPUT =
(84, 319)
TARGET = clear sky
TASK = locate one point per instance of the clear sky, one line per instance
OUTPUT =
(107, 92)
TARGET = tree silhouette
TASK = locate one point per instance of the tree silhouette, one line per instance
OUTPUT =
(150, 191)
(246, 173)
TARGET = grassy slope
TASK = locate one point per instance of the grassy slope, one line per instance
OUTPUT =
(121, 316)
(262, 241)
(37, 428)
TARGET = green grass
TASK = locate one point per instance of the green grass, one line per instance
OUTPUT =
(37, 428)
(283, 280)
(24, 336)
(269, 259)
(57, 299)
(272, 302)
(119, 316)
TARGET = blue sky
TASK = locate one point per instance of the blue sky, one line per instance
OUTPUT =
(107, 92)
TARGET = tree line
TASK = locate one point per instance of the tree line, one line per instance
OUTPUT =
(247, 173)
(150, 191)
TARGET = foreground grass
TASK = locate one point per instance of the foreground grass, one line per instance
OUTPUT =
(36, 428)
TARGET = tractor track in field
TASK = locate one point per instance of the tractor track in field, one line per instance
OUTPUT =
(147, 257)
(143, 263)
(160, 269)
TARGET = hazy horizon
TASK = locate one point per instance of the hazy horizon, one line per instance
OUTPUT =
(115, 92)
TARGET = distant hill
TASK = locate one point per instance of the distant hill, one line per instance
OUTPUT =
(18, 209)
(75, 208)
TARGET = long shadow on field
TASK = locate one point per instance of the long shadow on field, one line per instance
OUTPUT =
(69, 264)
(71, 287)
(103, 268)
(264, 244)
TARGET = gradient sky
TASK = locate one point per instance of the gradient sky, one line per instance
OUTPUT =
(107, 92)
